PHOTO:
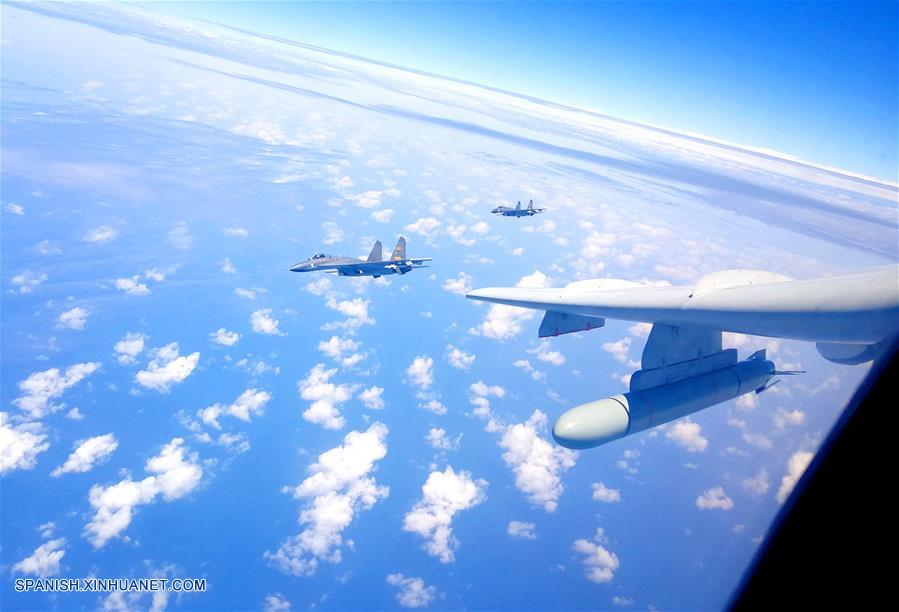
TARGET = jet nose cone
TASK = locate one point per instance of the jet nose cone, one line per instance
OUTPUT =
(592, 424)
(300, 267)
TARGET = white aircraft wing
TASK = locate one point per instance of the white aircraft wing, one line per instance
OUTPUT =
(848, 316)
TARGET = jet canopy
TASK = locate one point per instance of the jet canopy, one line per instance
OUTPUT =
(321, 256)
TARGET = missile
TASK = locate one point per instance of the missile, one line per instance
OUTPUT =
(644, 407)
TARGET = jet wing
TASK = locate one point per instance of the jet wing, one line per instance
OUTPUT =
(860, 308)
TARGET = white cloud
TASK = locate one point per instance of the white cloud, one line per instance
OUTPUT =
(237, 232)
(15, 209)
(525, 365)
(544, 354)
(340, 485)
(758, 484)
(618, 349)
(796, 466)
(522, 529)
(27, 281)
(622, 602)
(333, 232)
(245, 293)
(155, 274)
(275, 602)
(599, 563)
(87, 454)
(371, 398)
(44, 561)
(784, 418)
(166, 368)
(224, 337)
(383, 216)
(173, 473)
(759, 441)
(99, 235)
(76, 318)
(459, 285)
(688, 435)
(356, 311)
(20, 444)
(537, 464)
(131, 286)
(319, 287)
(41, 387)
(604, 494)
(228, 267)
(263, 323)
(326, 397)
(433, 405)
(503, 322)
(342, 350)
(423, 226)
(420, 373)
(179, 236)
(130, 347)
(413, 593)
(250, 402)
(438, 439)
(458, 358)
(444, 494)
(714, 499)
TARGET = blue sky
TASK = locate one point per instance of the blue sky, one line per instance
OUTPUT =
(813, 79)
(176, 403)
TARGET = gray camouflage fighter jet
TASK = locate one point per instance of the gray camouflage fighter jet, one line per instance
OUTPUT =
(518, 211)
(373, 266)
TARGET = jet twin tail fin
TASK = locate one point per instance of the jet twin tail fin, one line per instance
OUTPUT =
(399, 253)
(375, 254)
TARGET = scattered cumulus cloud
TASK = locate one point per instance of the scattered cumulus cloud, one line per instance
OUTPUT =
(40, 388)
(275, 602)
(237, 232)
(20, 444)
(599, 563)
(459, 285)
(339, 486)
(424, 226)
(383, 216)
(166, 368)
(173, 473)
(263, 323)
(224, 337)
(372, 398)
(87, 454)
(522, 530)
(537, 464)
(75, 318)
(444, 495)
(420, 373)
(44, 561)
(326, 397)
(458, 358)
(604, 494)
(27, 281)
(99, 235)
(796, 465)
(179, 236)
(132, 286)
(714, 499)
(249, 403)
(342, 350)
(129, 347)
(438, 439)
(413, 592)
(688, 435)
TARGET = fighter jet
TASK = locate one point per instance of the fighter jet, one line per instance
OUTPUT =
(853, 319)
(505, 211)
(374, 266)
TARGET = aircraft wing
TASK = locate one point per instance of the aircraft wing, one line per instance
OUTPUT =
(859, 310)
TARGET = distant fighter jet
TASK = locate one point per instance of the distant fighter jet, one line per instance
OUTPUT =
(505, 211)
(853, 319)
(373, 266)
